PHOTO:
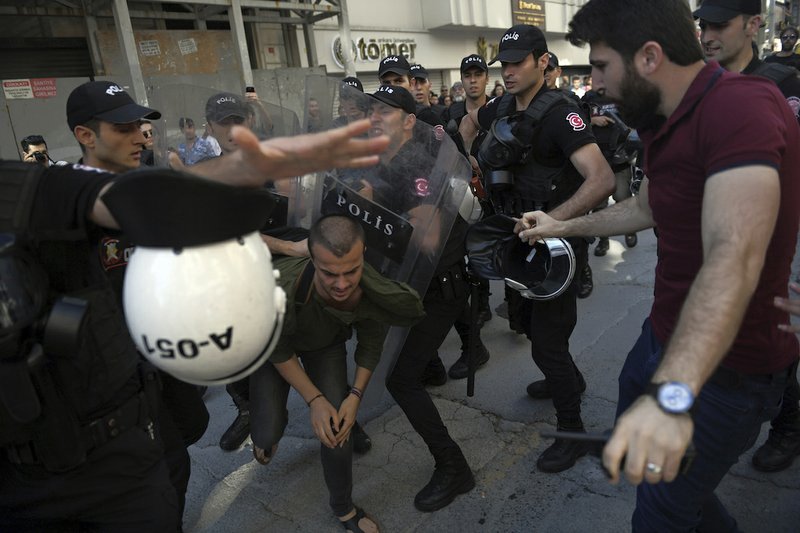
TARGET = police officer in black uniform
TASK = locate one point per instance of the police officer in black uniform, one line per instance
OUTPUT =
(80, 434)
(736, 51)
(404, 188)
(563, 173)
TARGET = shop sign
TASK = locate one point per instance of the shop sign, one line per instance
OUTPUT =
(528, 12)
(29, 88)
(367, 50)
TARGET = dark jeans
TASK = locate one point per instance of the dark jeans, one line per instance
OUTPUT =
(421, 345)
(551, 325)
(727, 420)
(269, 392)
(123, 487)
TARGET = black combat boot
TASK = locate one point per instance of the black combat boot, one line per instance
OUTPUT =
(239, 430)
(451, 477)
(783, 443)
(562, 454)
(460, 368)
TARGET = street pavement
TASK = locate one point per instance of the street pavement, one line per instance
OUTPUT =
(498, 430)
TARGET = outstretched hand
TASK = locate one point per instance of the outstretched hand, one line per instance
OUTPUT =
(284, 157)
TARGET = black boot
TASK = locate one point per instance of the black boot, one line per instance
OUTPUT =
(237, 433)
(451, 477)
(434, 375)
(602, 247)
(239, 430)
(460, 368)
(778, 452)
(562, 454)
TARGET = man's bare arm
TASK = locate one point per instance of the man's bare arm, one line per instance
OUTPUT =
(256, 163)
(628, 216)
(598, 183)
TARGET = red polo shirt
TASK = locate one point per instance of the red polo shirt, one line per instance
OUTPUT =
(724, 121)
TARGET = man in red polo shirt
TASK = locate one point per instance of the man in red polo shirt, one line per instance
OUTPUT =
(723, 191)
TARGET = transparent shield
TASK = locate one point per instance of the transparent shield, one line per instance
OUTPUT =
(407, 204)
(185, 136)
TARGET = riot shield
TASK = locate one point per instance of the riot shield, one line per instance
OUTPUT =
(407, 204)
(183, 135)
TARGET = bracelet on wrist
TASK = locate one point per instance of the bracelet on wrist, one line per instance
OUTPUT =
(355, 391)
(309, 402)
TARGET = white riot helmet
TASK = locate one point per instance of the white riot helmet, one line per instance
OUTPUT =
(200, 297)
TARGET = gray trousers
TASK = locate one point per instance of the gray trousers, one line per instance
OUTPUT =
(269, 392)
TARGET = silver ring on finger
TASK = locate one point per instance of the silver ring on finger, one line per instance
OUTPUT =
(653, 468)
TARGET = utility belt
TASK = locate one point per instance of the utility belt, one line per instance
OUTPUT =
(450, 284)
(79, 440)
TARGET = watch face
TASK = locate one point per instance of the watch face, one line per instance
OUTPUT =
(675, 397)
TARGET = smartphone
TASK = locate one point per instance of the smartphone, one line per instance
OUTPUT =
(250, 89)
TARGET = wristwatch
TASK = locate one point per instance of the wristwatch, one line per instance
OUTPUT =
(673, 397)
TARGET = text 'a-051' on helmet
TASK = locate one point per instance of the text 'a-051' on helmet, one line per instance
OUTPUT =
(200, 296)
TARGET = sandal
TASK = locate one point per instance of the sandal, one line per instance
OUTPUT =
(352, 526)
(261, 456)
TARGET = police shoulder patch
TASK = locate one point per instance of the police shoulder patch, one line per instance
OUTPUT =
(575, 120)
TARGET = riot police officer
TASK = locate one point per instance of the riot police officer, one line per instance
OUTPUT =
(554, 164)
(79, 448)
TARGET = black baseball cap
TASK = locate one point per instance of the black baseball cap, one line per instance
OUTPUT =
(552, 63)
(224, 105)
(418, 71)
(351, 81)
(474, 60)
(519, 41)
(397, 64)
(107, 101)
(718, 11)
(395, 96)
